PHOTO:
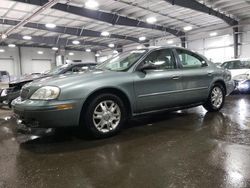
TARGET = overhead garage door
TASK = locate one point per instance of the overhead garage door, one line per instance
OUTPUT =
(7, 64)
(36, 66)
(41, 65)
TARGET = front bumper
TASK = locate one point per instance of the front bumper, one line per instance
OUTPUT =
(47, 114)
(230, 86)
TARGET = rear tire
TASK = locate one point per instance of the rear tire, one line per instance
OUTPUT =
(104, 115)
(216, 98)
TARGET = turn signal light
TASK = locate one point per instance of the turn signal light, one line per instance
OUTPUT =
(64, 107)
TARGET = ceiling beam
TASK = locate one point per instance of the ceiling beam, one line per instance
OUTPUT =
(57, 41)
(30, 16)
(68, 30)
(110, 18)
(195, 5)
(41, 46)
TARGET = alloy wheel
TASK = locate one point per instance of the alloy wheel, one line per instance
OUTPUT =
(106, 116)
(217, 97)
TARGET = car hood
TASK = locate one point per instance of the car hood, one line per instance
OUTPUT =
(68, 80)
(25, 80)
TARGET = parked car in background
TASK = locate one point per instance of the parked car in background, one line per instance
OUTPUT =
(4, 76)
(240, 70)
(218, 64)
(132, 83)
(13, 91)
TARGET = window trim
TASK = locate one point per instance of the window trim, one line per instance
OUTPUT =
(180, 66)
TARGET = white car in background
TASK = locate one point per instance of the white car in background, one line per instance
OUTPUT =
(240, 71)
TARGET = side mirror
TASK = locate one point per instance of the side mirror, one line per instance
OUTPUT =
(147, 66)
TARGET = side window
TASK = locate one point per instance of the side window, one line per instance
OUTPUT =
(162, 59)
(225, 65)
(190, 60)
(229, 65)
(232, 65)
(91, 67)
(237, 65)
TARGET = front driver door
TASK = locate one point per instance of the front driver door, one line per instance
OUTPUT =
(158, 88)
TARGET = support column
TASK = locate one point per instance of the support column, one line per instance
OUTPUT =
(20, 61)
(236, 42)
(95, 56)
(183, 42)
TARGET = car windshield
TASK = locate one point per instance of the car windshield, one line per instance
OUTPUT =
(237, 65)
(57, 70)
(123, 61)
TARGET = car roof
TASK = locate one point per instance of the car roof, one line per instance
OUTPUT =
(161, 47)
(241, 59)
(171, 47)
(79, 63)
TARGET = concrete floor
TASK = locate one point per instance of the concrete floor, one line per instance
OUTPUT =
(189, 148)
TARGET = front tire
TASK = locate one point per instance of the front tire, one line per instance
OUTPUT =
(104, 115)
(216, 98)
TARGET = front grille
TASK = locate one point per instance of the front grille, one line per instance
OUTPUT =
(24, 94)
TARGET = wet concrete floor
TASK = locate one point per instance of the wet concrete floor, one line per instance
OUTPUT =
(189, 148)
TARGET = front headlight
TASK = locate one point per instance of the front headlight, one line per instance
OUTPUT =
(4, 93)
(46, 93)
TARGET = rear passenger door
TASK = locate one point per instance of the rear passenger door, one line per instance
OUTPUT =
(196, 76)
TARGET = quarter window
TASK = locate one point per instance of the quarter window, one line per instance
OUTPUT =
(162, 59)
(190, 60)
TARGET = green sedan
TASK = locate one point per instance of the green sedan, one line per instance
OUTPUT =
(131, 83)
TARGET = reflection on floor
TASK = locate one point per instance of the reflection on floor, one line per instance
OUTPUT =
(189, 148)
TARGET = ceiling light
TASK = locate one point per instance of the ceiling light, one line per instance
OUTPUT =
(40, 52)
(27, 37)
(2, 50)
(151, 20)
(111, 45)
(213, 34)
(76, 42)
(88, 50)
(139, 47)
(12, 45)
(170, 41)
(97, 55)
(142, 38)
(50, 25)
(188, 28)
(91, 4)
(54, 48)
(71, 53)
(104, 33)
(3, 36)
(115, 52)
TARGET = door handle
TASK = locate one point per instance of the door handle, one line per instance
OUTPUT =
(210, 73)
(176, 77)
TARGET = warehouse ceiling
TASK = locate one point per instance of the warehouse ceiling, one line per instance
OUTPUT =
(238, 9)
(171, 20)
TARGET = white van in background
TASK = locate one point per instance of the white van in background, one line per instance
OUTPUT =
(240, 70)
